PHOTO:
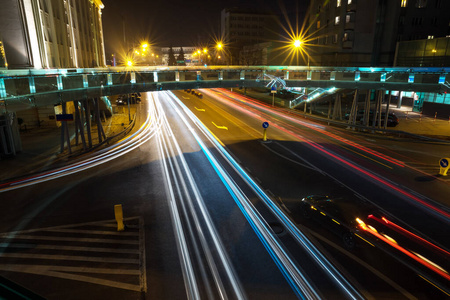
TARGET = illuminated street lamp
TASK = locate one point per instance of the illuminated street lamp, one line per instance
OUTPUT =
(298, 46)
(129, 63)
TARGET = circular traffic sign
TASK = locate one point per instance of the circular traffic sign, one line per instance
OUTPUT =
(265, 124)
(443, 163)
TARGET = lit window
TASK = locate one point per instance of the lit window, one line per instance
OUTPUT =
(430, 37)
(349, 2)
(404, 3)
(347, 19)
(337, 20)
(421, 3)
(338, 3)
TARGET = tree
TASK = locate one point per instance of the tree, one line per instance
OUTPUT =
(172, 61)
(180, 58)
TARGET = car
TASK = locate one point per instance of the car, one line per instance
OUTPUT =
(193, 92)
(135, 97)
(391, 122)
(392, 118)
(341, 216)
(122, 100)
(200, 95)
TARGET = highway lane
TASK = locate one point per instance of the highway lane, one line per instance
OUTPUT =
(242, 135)
(191, 230)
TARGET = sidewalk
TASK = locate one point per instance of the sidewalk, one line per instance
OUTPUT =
(41, 146)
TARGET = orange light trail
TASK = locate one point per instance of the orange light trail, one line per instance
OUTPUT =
(408, 233)
(423, 262)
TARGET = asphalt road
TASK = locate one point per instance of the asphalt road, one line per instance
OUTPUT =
(302, 158)
(196, 227)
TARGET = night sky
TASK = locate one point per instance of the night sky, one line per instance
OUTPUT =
(175, 22)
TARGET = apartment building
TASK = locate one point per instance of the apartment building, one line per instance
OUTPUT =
(52, 33)
(243, 27)
(366, 32)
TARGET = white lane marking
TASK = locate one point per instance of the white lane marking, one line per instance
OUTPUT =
(70, 239)
(49, 271)
(116, 271)
(143, 265)
(72, 258)
(306, 165)
(117, 233)
(69, 248)
(220, 127)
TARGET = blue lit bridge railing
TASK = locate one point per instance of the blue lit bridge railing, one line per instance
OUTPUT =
(22, 89)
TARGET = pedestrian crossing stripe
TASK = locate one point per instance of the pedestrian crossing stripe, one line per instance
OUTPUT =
(123, 251)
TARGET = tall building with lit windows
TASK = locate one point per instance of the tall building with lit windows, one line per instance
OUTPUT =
(366, 32)
(52, 33)
(244, 27)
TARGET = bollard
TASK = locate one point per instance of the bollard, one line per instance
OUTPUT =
(265, 135)
(119, 217)
(406, 115)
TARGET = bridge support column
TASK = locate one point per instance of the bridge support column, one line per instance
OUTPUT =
(79, 124)
(386, 114)
(353, 110)
(400, 98)
(367, 108)
(337, 111)
(329, 109)
(377, 109)
(65, 135)
(10, 142)
(100, 132)
(87, 114)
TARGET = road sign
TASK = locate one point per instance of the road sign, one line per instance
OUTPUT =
(443, 163)
(64, 117)
(265, 124)
(444, 166)
(273, 90)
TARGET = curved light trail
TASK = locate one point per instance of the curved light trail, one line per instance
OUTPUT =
(297, 280)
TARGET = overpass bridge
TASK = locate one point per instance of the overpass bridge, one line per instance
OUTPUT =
(83, 89)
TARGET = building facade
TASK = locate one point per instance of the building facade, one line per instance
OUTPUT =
(240, 28)
(365, 33)
(433, 52)
(52, 33)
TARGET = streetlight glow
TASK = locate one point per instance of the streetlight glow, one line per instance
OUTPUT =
(298, 43)
(129, 63)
